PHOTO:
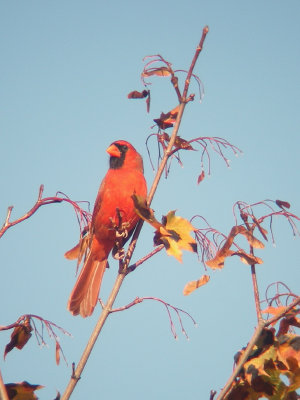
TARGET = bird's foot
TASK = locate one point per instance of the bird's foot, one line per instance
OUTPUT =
(118, 254)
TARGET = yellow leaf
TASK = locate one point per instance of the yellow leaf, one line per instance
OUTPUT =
(193, 285)
(162, 71)
(22, 391)
(175, 235)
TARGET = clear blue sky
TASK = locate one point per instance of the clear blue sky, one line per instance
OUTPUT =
(66, 69)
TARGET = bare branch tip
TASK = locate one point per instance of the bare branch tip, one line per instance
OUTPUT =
(41, 190)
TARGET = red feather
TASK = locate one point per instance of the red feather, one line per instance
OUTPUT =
(123, 179)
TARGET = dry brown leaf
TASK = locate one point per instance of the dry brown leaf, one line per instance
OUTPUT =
(19, 337)
(138, 95)
(253, 241)
(193, 285)
(182, 144)
(57, 353)
(246, 258)
(218, 261)
(162, 71)
(167, 120)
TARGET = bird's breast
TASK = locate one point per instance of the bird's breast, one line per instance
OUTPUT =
(114, 204)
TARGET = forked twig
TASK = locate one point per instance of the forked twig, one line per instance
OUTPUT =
(168, 306)
(83, 216)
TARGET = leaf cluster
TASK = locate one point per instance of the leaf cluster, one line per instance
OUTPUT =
(272, 359)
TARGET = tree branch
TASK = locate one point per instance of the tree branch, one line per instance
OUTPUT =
(122, 271)
(91, 343)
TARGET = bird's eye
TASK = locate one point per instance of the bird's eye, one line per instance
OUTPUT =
(124, 147)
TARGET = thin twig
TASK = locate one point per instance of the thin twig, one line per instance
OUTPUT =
(255, 289)
(85, 216)
(132, 267)
(177, 310)
(254, 278)
(198, 51)
(212, 394)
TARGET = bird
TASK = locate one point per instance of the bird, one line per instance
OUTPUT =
(113, 205)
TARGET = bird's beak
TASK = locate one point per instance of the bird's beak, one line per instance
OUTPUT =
(113, 151)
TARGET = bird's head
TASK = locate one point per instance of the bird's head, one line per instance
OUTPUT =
(124, 155)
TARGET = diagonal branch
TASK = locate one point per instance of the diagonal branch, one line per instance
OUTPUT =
(125, 263)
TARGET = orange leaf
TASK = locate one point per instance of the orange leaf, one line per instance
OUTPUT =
(193, 285)
(273, 310)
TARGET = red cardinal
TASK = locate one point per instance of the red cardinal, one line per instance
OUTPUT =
(124, 178)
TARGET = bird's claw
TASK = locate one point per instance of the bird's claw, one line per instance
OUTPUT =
(118, 254)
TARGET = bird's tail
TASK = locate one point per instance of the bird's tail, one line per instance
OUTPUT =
(84, 296)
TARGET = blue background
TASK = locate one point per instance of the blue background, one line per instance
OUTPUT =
(66, 69)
